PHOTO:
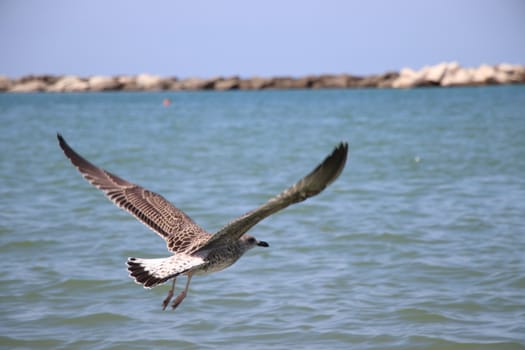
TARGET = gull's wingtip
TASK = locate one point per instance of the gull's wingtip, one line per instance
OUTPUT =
(60, 139)
(63, 144)
(342, 147)
(335, 162)
(340, 152)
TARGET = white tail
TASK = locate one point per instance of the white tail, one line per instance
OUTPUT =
(152, 272)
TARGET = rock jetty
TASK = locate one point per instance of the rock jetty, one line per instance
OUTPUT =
(444, 74)
(452, 74)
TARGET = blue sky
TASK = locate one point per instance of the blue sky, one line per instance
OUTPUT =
(248, 38)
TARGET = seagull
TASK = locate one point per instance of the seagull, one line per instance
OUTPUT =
(195, 251)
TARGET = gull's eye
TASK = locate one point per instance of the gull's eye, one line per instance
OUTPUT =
(251, 240)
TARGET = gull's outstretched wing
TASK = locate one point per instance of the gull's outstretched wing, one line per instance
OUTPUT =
(312, 184)
(178, 229)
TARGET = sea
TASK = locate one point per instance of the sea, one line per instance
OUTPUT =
(419, 244)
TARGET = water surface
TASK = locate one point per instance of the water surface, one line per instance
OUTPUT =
(419, 244)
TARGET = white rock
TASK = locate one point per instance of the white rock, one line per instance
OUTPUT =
(29, 86)
(502, 77)
(484, 74)
(506, 67)
(509, 73)
(407, 72)
(403, 82)
(101, 83)
(126, 79)
(149, 82)
(408, 78)
(69, 83)
(436, 73)
(457, 76)
(453, 67)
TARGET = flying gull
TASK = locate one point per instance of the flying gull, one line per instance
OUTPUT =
(196, 251)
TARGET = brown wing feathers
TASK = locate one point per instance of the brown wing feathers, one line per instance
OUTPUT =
(148, 207)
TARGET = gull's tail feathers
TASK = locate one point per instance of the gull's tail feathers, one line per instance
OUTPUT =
(152, 272)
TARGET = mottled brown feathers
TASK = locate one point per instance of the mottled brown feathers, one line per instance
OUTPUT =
(178, 229)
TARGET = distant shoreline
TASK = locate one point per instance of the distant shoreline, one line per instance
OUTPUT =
(444, 74)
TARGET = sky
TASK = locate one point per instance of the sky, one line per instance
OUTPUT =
(210, 38)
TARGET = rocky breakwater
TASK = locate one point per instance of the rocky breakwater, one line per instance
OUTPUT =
(452, 74)
(443, 74)
(147, 82)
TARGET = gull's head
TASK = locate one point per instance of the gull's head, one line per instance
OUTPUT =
(248, 242)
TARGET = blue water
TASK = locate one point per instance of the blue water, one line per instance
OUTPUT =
(418, 245)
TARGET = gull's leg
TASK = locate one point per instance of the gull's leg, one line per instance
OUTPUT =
(170, 295)
(182, 295)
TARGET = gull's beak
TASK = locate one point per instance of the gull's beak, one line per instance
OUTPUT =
(262, 244)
